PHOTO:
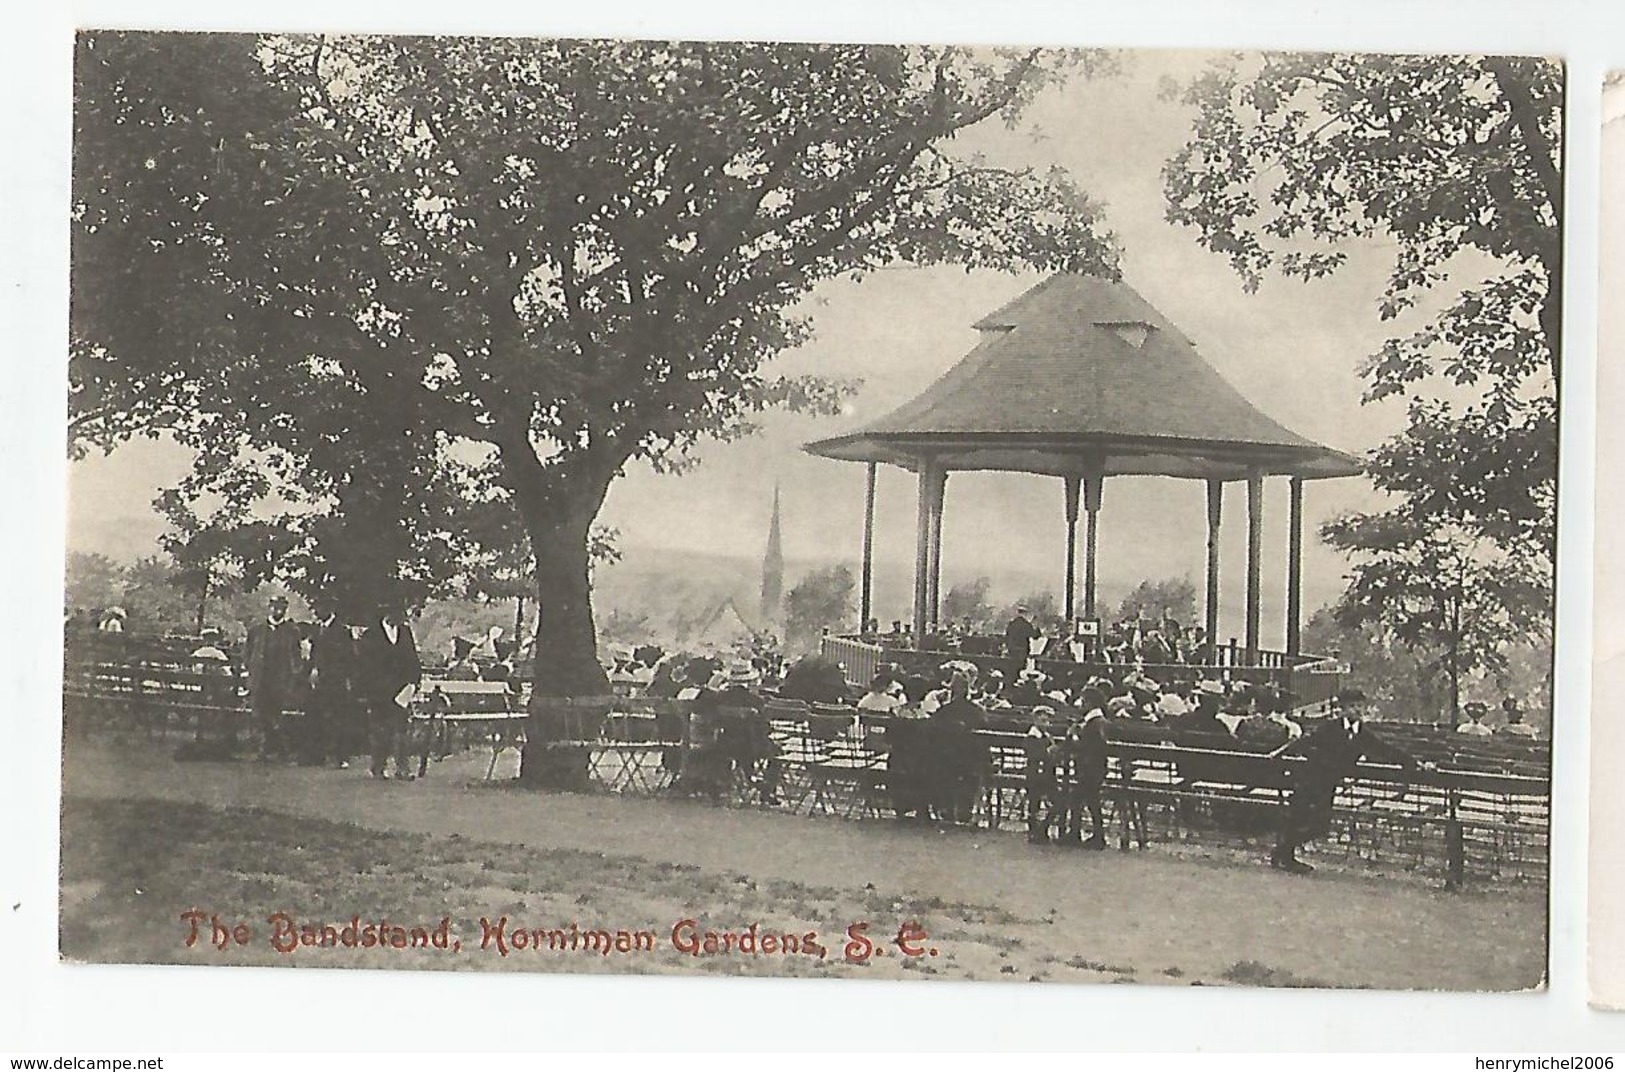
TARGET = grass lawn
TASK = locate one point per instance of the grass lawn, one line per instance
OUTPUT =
(133, 868)
(147, 839)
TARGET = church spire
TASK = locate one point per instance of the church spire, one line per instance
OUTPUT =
(773, 565)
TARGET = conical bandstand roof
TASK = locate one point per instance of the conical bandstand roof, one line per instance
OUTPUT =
(1081, 375)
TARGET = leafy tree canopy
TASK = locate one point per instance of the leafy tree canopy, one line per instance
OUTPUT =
(359, 253)
(1455, 162)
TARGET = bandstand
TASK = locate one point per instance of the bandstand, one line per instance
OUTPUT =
(1080, 378)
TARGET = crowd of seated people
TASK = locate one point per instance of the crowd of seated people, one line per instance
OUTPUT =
(1128, 641)
(1140, 699)
(1512, 726)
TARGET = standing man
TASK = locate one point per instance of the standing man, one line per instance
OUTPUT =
(1086, 753)
(1332, 752)
(271, 659)
(333, 718)
(388, 677)
(1018, 639)
(959, 757)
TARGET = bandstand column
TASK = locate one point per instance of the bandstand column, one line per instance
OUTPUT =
(1215, 512)
(1294, 568)
(939, 489)
(1255, 531)
(1091, 508)
(1073, 487)
(922, 549)
(865, 605)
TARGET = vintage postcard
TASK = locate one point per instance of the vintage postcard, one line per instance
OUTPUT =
(1606, 918)
(907, 512)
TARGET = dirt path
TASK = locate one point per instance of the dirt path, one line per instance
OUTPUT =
(1149, 910)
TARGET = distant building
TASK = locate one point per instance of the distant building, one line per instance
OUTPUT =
(773, 566)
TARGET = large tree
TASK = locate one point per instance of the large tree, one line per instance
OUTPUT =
(819, 601)
(1172, 597)
(579, 254)
(1456, 162)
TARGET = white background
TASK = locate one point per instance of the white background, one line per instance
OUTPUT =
(45, 1007)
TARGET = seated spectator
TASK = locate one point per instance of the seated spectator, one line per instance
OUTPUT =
(462, 666)
(814, 679)
(667, 678)
(210, 650)
(503, 668)
(1028, 691)
(731, 741)
(991, 694)
(1244, 700)
(885, 694)
(1269, 726)
(1205, 718)
(959, 758)
(1515, 726)
(916, 687)
(1197, 648)
(1123, 705)
(1144, 690)
(1170, 704)
(1475, 711)
(940, 695)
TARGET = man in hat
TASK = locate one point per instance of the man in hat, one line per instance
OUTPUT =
(271, 659)
(388, 675)
(1475, 710)
(1204, 716)
(1018, 638)
(336, 723)
(1331, 753)
(1082, 773)
(1043, 753)
(958, 757)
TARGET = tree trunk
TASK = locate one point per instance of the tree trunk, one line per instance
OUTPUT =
(558, 504)
(1455, 664)
(566, 663)
(202, 606)
(519, 620)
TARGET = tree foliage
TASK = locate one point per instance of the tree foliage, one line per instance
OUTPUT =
(968, 601)
(1457, 163)
(355, 254)
(157, 596)
(821, 600)
(1173, 597)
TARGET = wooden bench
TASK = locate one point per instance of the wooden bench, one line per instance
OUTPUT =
(449, 713)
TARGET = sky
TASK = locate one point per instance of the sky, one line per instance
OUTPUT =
(1293, 349)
